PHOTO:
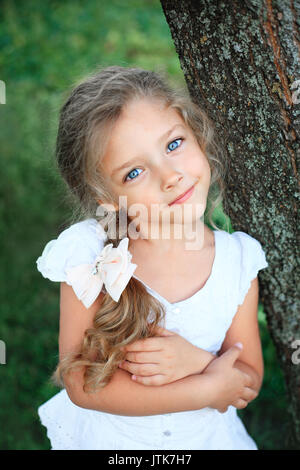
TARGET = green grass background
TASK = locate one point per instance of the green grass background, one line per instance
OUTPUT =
(46, 46)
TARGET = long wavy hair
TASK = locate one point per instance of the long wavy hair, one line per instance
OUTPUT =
(86, 120)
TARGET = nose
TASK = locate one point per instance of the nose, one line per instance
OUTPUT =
(170, 178)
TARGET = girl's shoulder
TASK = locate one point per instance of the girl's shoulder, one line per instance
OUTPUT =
(245, 244)
(78, 244)
(244, 257)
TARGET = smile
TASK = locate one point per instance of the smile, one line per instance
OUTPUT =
(183, 197)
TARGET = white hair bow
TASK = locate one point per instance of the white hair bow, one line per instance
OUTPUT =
(112, 267)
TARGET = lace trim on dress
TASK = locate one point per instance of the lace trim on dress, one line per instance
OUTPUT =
(58, 440)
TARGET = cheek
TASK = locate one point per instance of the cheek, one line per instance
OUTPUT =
(198, 164)
(140, 205)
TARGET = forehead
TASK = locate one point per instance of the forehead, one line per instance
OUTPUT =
(141, 121)
(142, 112)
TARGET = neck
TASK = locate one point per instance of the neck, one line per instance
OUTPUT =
(173, 240)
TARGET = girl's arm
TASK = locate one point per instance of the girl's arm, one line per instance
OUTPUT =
(217, 387)
(121, 395)
(245, 329)
(164, 358)
(125, 397)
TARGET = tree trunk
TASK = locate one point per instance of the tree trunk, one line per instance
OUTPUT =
(241, 64)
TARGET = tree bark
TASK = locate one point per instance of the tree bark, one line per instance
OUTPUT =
(241, 64)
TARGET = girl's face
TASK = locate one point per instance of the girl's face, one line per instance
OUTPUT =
(153, 157)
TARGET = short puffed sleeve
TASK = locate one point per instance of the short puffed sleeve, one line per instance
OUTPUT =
(79, 244)
(248, 258)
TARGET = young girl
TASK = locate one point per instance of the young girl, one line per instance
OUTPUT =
(159, 342)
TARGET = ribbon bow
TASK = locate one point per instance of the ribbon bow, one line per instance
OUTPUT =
(112, 267)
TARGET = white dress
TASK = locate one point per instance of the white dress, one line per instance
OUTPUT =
(203, 319)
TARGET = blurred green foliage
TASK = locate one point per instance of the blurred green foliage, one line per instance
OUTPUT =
(46, 47)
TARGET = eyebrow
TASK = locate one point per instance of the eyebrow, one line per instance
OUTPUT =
(130, 162)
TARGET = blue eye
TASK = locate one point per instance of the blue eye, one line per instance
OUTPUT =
(172, 143)
(132, 171)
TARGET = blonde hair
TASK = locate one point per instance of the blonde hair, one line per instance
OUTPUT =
(85, 124)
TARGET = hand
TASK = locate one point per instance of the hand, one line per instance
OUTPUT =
(231, 386)
(164, 358)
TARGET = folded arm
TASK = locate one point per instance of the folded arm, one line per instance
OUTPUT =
(245, 329)
(121, 395)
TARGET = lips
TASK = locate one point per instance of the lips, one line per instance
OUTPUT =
(183, 196)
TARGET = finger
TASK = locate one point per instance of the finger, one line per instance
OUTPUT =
(223, 410)
(240, 404)
(139, 369)
(232, 353)
(145, 344)
(154, 380)
(143, 357)
(248, 380)
(249, 394)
